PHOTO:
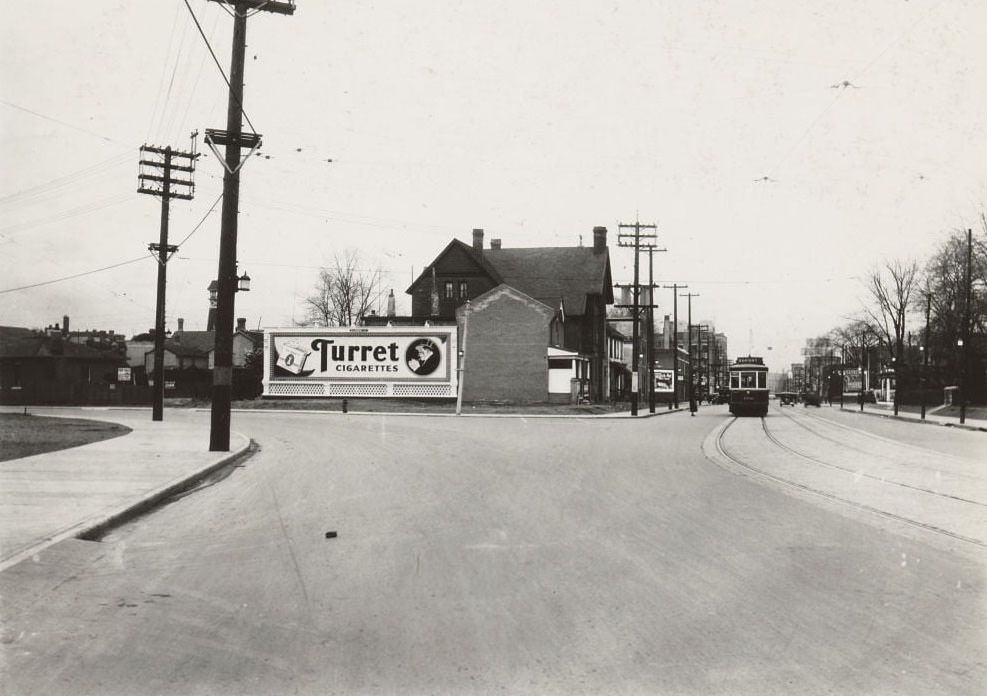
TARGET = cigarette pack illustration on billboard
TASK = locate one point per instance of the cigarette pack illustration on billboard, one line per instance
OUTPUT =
(292, 359)
(378, 361)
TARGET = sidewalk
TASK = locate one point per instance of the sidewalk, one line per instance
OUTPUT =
(887, 410)
(49, 497)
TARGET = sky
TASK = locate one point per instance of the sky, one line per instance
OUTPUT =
(783, 149)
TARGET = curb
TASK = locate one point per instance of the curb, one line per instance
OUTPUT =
(910, 419)
(93, 531)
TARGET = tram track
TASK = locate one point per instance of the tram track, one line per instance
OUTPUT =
(718, 450)
(855, 472)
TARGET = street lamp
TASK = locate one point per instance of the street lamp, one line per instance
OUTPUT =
(242, 284)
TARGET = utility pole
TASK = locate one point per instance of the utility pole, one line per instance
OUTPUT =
(675, 287)
(925, 349)
(965, 356)
(233, 138)
(649, 237)
(692, 391)
(155, 178)
(651, 330)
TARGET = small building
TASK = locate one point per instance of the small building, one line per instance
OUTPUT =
(44, 367)
(508, 350)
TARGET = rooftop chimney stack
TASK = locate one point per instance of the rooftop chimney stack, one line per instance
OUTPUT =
(241, 324)
(181, 325)
(65, 324)
(495, 244)
(599, 239)
(478, 239)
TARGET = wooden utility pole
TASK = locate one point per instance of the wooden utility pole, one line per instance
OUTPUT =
(651, 328)
(155, 178)
(234, 139)
(675, 287)
(925, 350)
(638, 236)
(692, 391)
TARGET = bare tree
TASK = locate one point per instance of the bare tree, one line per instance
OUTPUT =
(945, 282)
(891, 290)
(344, 293)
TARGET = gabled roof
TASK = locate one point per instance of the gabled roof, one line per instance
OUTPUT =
(191, 343)
(503, 290)
(552, 275)
(556, 274)
(256, 337)
(469, 251)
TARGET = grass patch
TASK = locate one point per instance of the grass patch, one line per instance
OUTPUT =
(23, 435)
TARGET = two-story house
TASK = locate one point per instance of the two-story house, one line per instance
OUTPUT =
(574, 285)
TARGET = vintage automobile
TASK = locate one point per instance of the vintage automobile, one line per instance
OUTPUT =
(787, 398)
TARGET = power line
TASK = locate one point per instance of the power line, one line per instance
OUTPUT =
(218, 65)
(77, 275)
(55, 120)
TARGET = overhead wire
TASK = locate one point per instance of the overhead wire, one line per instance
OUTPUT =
(218, 64)
(76, 275)
(116, 265)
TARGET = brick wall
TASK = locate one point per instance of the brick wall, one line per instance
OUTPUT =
(506, 348)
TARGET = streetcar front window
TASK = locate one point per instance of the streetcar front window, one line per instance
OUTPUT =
(748, 380)
(762, 380)
(735, 380)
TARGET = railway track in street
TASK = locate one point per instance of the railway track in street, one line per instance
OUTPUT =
(857, 470)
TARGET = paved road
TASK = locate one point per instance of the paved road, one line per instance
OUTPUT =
(485, 555)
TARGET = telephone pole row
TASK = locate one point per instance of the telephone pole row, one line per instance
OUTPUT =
(692, 392)
(648, 239)
(675, 287)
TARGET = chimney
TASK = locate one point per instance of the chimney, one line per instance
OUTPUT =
(599, 239)
(495, 244)
(65, 324)
(391, 311)
(241, 324)
(181, 325)
(478, 239)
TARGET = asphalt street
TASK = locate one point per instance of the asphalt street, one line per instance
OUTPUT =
(507, 555)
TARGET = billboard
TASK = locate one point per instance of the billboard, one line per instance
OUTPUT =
(361, 361)
(663, 382)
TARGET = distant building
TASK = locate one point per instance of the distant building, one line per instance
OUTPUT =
(44, 367)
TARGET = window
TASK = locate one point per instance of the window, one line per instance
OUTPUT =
(448, 290)
(735, 380)
(762, 380)
(748, 380)
(464, 289)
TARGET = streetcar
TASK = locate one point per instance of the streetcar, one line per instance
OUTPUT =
(749, 387)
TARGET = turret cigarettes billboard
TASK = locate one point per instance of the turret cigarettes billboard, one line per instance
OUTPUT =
(361, 361)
